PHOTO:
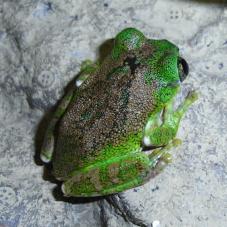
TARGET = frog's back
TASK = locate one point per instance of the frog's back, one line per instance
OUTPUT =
(112, 104)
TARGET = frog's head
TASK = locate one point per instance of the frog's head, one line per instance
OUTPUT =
(165, 69)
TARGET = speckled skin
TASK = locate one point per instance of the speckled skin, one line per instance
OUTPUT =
(99, 148)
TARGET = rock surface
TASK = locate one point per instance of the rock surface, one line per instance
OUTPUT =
(42, 44)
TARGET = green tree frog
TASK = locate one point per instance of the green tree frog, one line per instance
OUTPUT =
(113, 129)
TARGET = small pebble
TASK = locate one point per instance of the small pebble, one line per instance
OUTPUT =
(156, 223)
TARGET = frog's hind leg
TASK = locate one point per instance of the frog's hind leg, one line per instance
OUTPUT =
(48, 143)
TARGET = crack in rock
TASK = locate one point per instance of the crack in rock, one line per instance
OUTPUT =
(122, 208)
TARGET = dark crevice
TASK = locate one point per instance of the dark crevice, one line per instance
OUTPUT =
(151, 147)
(122, 208)
(131, 61)
(103, 215)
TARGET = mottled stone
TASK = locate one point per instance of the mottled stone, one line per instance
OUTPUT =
(42, 44)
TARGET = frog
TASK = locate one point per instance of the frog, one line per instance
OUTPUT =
(114, 128)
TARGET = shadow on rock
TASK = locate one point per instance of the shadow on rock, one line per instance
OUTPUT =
(43, 124)
(58, 195)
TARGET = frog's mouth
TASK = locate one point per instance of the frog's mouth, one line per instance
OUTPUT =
(183, 69)
(149, 149)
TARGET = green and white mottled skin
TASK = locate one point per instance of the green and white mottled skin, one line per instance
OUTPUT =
(113, 130)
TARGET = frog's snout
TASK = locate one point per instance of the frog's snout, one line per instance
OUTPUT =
(183, 69)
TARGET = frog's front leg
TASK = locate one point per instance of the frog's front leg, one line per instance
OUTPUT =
(87, 67)
(162, 127)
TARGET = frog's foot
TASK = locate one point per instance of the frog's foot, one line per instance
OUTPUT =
(87, 68)
(162, 126)
(189, 100)
(160, 157)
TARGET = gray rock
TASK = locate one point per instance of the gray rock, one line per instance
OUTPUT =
(42, 44)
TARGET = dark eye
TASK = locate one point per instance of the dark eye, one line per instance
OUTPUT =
(183, 69)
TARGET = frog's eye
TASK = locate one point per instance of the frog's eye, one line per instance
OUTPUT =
(183, 69)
